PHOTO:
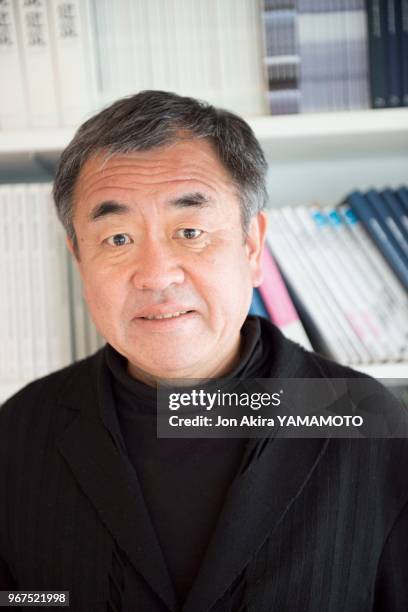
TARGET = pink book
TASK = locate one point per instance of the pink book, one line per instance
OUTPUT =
(277, 302)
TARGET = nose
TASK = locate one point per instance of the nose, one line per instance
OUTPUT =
(157, 265)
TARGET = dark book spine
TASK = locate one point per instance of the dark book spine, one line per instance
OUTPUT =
(365, 213)
(403, 26)
(394, 56)
(377, 48)
(397, 211)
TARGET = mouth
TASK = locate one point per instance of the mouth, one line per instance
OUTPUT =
(170, 315)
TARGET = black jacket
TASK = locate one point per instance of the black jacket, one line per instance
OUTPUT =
(317, 525)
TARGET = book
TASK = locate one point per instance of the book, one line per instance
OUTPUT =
(378, 51)
(330, 328)
(398, 214)
(341, 283)
(393, 17)
(402, 25)
(372, 294)
(71, 33)
(363, 210)
(381, 210)
(277, 302)
(13, 108)
(38, 62)
(388, 291)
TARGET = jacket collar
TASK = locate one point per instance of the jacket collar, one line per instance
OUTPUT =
(257, 500)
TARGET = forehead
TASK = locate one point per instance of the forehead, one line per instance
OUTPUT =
(163, 170)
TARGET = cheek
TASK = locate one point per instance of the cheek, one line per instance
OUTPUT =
(225, 284)
(103, 296)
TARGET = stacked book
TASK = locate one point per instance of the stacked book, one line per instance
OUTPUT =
(61, 60)
(43, 321)
(336, 55)
(346, 271)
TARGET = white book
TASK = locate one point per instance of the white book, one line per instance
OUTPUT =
(12, 366)
(39, 66)
(71, 30)
(393, 289)
(13, 108)
(382, 306)
(143, 59)
(302, 284)
(79, 314)
(328, 280)
(361, 289)
(39, 264)
(240, 56)
(6, 337)
(323, 309)
(57, 291)
(21, 253)
(341, 284)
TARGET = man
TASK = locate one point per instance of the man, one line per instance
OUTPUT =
(162, 200)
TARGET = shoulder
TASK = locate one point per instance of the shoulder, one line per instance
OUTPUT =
(44, 393)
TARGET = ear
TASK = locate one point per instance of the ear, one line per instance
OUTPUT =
(72, 249)
(254, 246)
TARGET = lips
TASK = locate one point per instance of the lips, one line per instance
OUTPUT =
(158, 312)
(166, 316)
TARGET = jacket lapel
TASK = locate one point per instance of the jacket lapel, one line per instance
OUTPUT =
(272, 474)
(257, 501)
(93, 449)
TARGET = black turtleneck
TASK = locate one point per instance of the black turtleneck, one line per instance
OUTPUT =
(184, 481)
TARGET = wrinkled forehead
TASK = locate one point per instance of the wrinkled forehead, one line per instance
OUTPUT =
(192, 161)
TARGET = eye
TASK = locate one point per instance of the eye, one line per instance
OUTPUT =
(189, 233)
(118, 240)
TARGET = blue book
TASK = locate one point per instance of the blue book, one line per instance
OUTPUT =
(397, 211)
(394, 53)
(402, 194)
(380, 208)
(365, 213)
(378, 51)
(257, 306)
(403, 27)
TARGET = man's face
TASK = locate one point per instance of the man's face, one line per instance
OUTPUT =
(159, 233)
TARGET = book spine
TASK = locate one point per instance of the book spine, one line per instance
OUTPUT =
(386, 287)
(278, 303)
(403, 27)
(39, 275)
(76, 83)
(13, 109)
(402, 194)
(341, 284)
(380, 209)
(38, 63)
(326, 316)
(378, 263)
(326, 282)
(373, 298)
(394, 64)
(377, 45)
(397, 210)
(363, 211)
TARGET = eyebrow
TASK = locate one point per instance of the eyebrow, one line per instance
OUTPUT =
(108, 208)
(111, 207)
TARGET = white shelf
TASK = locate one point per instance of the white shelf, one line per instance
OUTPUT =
(380, 132)
(318, 135)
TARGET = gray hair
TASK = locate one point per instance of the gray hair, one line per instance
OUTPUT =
(152, 119)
